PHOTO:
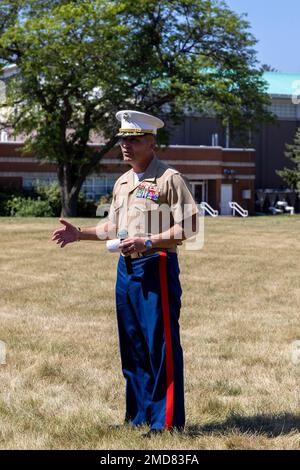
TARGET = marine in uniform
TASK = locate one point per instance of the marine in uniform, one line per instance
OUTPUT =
(153, 211)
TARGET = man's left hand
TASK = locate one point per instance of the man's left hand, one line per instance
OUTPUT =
(129, 246)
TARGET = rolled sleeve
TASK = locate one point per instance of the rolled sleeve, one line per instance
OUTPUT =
(112, 212)
(180, 199)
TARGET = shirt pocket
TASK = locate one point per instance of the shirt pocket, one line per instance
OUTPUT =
(154, 217)
(120, 214)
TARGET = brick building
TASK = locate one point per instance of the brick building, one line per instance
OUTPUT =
(200, 149)
(217, 175)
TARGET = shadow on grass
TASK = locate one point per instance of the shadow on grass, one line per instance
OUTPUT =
(266, 425)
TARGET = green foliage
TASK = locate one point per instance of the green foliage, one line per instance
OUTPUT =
(85, 207)
(4, 198)
(3, 204)
(105, 199)
(81, 61)
(28, 207)
(27, 200)
(292, 175)
(51, 194)
(267, 68)
(40, 201)
(7, 193)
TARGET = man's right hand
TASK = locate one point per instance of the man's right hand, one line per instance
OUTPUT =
(66, 235)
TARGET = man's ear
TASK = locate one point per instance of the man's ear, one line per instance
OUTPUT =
(152, 141)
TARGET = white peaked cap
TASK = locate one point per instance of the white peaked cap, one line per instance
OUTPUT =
(136, 123)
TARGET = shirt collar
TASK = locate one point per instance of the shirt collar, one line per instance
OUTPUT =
(151, 170)
(149, 175)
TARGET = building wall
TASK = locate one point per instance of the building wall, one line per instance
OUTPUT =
(211, 166)
(270, 145)
(196, 131)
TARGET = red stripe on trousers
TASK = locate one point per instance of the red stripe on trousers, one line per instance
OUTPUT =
(168, 340)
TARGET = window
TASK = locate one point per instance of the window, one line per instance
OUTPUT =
(94, 187)
(284, 110)
(29, 182)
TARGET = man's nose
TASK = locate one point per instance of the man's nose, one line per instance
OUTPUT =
(126, 144)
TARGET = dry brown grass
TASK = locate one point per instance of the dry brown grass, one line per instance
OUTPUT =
(62, 385)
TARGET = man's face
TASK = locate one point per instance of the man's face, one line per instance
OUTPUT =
(136, 148)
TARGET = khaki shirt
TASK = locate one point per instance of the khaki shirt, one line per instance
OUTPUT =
(152, 205)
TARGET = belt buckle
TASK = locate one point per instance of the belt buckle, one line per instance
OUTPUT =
(136, 255)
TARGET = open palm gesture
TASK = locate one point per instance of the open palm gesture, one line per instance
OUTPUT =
(66, 235)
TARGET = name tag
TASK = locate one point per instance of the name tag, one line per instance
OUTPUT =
(146, 191)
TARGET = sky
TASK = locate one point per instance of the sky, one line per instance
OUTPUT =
(275, 23)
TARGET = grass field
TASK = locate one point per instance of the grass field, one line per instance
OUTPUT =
(62, 385)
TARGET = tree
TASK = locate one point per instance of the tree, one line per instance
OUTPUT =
(292, 175)
(81, 61)
(267, 68)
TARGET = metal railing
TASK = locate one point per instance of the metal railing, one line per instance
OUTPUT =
(207, 208)
(237, 208)
(283, 206)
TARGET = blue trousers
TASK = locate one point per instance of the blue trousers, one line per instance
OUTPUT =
(148, 309)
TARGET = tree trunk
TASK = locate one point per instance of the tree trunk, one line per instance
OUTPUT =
(69, 192)
(71, 179)
(69, 205)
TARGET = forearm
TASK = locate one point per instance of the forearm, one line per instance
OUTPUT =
(167, 239)
(105, 231)
(176, 234)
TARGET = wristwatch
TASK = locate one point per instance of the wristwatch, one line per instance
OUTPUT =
(148, 243)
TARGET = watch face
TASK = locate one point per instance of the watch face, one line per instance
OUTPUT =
(148, 244)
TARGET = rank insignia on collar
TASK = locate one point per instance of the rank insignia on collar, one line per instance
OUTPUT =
(145, 191)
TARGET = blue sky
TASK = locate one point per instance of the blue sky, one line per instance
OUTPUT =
(275, 24)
